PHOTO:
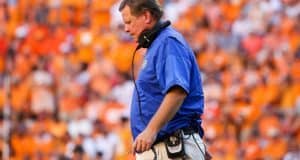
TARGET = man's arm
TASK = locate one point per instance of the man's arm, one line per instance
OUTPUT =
(167, 110)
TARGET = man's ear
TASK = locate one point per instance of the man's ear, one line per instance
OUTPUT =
(148, 17)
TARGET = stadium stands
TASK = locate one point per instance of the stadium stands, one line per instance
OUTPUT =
(68, 64)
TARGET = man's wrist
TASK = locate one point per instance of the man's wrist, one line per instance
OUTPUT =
(152, 130)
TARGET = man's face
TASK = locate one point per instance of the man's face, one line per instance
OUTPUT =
(134, 25)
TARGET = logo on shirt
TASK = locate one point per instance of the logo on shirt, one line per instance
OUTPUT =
(144, 64)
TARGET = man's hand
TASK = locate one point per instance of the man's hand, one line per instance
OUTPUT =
(144, 141)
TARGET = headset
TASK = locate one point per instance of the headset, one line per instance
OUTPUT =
(146, 38)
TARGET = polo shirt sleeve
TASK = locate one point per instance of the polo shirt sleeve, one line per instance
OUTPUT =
(173, 65)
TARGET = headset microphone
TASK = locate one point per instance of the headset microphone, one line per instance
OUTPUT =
(147, 37)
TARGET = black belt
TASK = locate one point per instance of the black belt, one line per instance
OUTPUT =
(189, 130)
(185, 130)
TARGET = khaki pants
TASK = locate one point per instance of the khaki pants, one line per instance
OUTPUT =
(190, 147)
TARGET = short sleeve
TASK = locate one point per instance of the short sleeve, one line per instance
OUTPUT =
(174, 65)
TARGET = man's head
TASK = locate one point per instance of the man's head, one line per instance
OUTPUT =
(139, 15)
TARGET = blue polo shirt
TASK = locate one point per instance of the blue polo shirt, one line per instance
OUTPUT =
(169, 62)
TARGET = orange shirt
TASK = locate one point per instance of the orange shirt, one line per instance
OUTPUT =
(251, 149)
(275, 149)
(20, 96)
(268, 126)
(121, 56)
(23, 145)
(231, 11)
(290, 94)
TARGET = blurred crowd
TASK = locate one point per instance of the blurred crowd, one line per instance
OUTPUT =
(65, 77)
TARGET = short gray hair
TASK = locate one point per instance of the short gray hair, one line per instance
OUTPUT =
(137, 7)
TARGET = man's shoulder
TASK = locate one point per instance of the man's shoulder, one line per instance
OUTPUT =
(168, 34)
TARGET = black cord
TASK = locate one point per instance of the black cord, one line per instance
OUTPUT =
(154, 152)
(199, 146)
(135, 86)
(138, 96)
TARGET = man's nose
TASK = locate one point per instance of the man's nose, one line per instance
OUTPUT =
(126, 28)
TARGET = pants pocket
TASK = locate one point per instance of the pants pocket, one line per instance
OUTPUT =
(147, 155)
(194, 147)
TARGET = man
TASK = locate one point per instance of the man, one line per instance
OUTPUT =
(168, 99)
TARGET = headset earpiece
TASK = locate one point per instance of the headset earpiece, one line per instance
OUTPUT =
(147, 37)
